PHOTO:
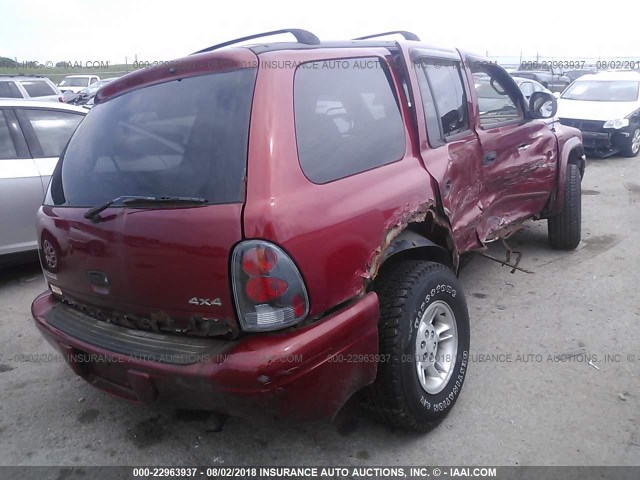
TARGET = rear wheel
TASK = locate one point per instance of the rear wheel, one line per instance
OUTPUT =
(632, 145)
(424, 345)
(565, 229)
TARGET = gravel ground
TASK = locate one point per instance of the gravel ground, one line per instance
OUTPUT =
(531, 406)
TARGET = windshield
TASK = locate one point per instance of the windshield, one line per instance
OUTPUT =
(74, 82)
(185, 138)
(485, 90)
(601, 91)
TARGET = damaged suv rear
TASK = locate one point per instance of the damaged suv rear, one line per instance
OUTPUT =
(266, 230)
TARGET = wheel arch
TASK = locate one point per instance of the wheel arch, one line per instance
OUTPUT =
(430, 240)
(572, 153)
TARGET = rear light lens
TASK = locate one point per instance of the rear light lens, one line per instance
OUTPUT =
(267, 286)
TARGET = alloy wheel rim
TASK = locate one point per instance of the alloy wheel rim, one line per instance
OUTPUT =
(635, 143)
(436, 347)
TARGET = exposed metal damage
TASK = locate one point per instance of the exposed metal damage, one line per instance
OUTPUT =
(424, 218)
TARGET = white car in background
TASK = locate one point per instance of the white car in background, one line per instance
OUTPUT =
(605, 107)
(490, 98)
(75, 83)
(528, 86)
(32, 137)
(29, 87)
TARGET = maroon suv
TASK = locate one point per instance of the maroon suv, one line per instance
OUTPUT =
(269, 229)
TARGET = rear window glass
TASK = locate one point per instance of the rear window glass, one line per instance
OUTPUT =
(347, 118)
(449, 94)
(184, 138)
(75, 82)
(38, 88)
(9, 90)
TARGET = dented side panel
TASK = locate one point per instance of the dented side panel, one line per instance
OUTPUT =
(518, 185)
(455, 169)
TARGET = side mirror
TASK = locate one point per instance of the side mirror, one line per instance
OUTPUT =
(543, 105)
(556, 94)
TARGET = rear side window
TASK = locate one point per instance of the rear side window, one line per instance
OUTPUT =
(53, 129)
(9, 90)
(431, 117)
(38, 88)
(7, 148)
(185, 138)
(347, 118)
(445, 79)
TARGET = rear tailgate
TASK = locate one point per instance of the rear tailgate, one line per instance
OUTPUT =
(164, 133)
(158, 270)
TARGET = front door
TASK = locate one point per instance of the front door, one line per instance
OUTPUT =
(519, 154)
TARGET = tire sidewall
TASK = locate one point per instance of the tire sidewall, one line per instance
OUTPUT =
(441, 285)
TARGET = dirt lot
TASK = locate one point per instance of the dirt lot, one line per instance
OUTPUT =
(521, 406)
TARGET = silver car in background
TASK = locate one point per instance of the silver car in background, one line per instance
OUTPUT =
(32, 137)
(29, 87)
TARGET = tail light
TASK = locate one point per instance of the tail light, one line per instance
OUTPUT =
(267, 286)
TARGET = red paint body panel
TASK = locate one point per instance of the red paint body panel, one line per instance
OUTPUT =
(299, 375)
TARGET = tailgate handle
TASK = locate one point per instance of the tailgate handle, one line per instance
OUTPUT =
(489, 158)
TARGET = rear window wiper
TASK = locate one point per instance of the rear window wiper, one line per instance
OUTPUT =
(93, 213)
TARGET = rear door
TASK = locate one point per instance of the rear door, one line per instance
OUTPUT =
(47, 133)
(519, 154)
(449, 147)
(21, 190)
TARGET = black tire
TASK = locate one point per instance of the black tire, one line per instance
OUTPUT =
(405, 291)
(565, 229)
(631, 147)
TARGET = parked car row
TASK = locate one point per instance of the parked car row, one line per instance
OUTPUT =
(29, 87)
(74, 89)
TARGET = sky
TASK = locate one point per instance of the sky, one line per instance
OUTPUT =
(110, 30)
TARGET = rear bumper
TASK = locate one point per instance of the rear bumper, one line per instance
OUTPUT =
(292, 375)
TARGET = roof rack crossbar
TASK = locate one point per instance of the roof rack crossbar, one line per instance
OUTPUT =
(34, 75)
(302, 36)
(405, 34)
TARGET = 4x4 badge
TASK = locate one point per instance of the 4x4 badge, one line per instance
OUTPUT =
(211, 302)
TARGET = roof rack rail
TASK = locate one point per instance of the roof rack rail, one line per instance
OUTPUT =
(302, 36)
(21, 75)
(405, 34)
